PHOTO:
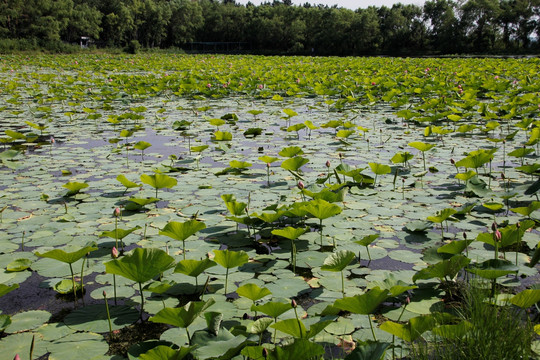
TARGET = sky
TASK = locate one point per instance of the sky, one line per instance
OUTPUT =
(349, 4)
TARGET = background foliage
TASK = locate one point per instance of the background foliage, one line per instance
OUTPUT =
(439, 27)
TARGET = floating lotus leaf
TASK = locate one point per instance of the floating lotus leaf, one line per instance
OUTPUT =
(94, 318)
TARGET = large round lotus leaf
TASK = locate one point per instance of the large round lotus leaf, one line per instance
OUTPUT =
(341, 327)
(288, 287)
(28, 320)
(20, 344)
(54, 331)
(375, 251)
(310, 259)
(121, 292)
(86, 343)
(405, 256)
(94, 317)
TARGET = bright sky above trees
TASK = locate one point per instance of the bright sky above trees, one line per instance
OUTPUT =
(349, 4)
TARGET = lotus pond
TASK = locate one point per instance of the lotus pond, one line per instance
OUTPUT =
(234, 207)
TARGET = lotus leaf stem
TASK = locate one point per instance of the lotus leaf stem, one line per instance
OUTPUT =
(142, 300)
(108, 314)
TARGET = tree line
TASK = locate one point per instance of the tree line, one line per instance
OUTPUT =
(278, 27)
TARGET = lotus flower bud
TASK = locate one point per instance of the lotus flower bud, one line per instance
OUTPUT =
(116, 212)
(408, 300)
(293, 303)
(327, 163)
(452, 161)
(52, 140)
(300, 185)
(17, 357)
(518, 225)
(265, 352)
(245, 316)
(104, 294)
(465, 235)
(498, 235)
(114, 252)
(268, 165)
(494, 226)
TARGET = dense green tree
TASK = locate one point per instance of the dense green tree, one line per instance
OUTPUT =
(186, 20)
(479, 21)
(443, 32)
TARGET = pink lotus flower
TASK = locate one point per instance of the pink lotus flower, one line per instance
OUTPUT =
(116, 212)
(300, 185)
(261, 86)
(209, 85)
(114, 252)
(17, 357)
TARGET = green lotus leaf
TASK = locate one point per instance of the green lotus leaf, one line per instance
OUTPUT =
(259, 326)
(159, 181)
(363, 304)
(140, 265)
(443, 269)
(379, 169)
(290, 113)
(493, 268)
(415, 327)
(193, 268)
(453, 331)
(181, 231)
(395, 286)
(338, 261)
(66, 286)
(268, 159)
(4, 289)
(183, 316)
(291, 151)
(527, 210)
(199, 148)
(5, 321)
(421, 146)
(526, 298)
(401, 157)
(368, 350)
(294, 163)
(454, 247)
(142, 145)
(235, 164)
(272, 308)
(119, 233)
(230, 259)
(252, 292)
(442, 215)
(222, 136)
(67, 257)
(217, 122)
(127, 183)
(74, 187)
(322, 209)
(163, 352)
(289, 232)
(18, 265)
(368, 239)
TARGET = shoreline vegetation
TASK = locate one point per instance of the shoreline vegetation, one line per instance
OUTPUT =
(438, 27)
